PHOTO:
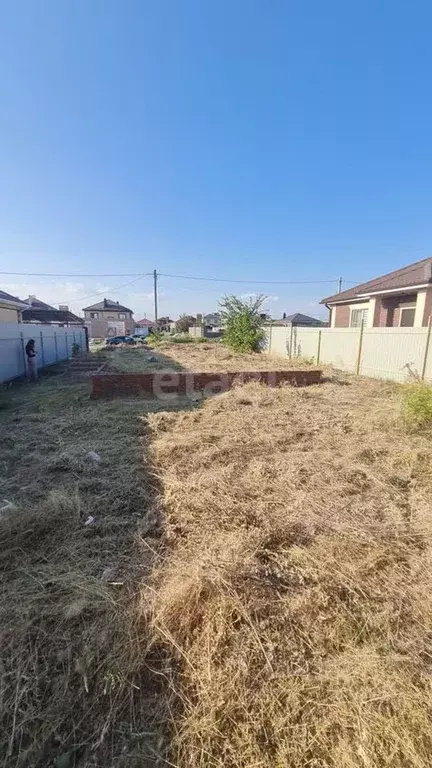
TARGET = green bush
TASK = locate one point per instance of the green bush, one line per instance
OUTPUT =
(417, 405)
(155, 337)
(243, 324)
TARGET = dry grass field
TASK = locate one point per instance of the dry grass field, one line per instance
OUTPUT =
(75, 689)
(210, 356)
(295, 593)
(253, 591)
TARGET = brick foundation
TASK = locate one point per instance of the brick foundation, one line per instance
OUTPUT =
(166, 384)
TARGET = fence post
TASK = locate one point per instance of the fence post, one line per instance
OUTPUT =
(55, 344)
(67, 347)
(42, 349)
(23, 352)
(319, 346)
(360, 346)
(291, 340)
(270, 338)
(428, 336)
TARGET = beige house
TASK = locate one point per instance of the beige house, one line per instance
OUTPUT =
(10, 308)
(108, 318)
(402, 298)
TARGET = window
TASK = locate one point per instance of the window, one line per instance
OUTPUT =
(122, 316)
(110, 318)
(358, 317)
(407, 317)
(94, 315)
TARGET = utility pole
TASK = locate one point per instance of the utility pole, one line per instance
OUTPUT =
(155, 295)
(340, 281)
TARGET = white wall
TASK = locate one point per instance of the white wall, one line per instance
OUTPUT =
(52, 345)
(385, 352)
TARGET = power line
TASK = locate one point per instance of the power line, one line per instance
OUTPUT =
(99, 293)
(76, 274)
(178, 277)
(247, 282)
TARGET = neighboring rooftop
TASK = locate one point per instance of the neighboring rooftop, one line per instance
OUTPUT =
(413, 275)
(39, 311)
(144, 323)
(35, 303)
(107, 305)
(10, 299)
(297, 318)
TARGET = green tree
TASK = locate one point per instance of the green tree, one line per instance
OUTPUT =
(243, 323)
(184, 322)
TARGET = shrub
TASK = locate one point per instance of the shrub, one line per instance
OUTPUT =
(184, 323)
(76, 349)
(155, 337)
(417, 405)
(243, 323)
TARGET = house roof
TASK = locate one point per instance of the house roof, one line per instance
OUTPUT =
(144, 323)
(35, 303)
(10, 299)
(107, 304)
(418, 273)
(50, 315)
(298, 317)
(39, 311)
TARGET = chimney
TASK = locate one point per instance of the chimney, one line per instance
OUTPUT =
(63, 308)
(284, 316)
(31, 299)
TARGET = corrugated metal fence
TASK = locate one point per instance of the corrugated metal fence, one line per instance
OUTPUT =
(384, 353)
(52, 345)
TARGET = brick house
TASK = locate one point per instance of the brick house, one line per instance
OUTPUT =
(400, 298)
(108, 318)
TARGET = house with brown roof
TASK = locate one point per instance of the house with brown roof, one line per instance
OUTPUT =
(400, 298)
(108, 318)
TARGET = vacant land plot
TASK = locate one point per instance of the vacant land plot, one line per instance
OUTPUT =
(196, 357)
(295, 593)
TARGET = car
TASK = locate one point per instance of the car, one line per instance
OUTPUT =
(115, 340)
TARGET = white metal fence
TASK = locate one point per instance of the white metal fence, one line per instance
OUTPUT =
(52, 345)
(384, 353)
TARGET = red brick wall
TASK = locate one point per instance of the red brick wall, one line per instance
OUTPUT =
(164, 384)
(388, 313)
(342, 316)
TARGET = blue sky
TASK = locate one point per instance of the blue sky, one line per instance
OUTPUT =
(237, 139)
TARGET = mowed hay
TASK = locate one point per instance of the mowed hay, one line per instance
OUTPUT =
(210, 356)
(74, 688)
(294, 600)
(215, 356)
